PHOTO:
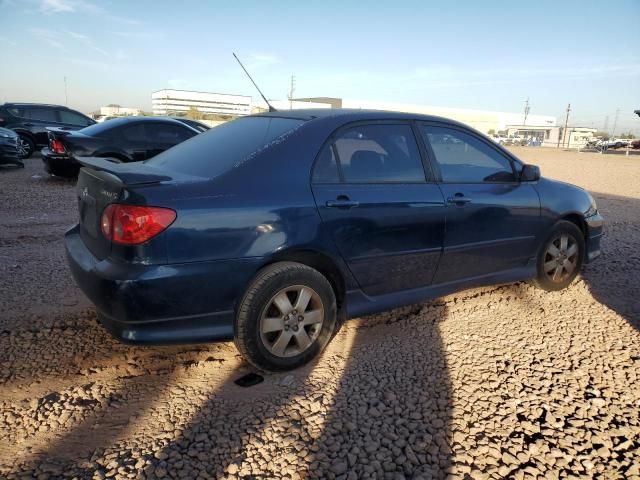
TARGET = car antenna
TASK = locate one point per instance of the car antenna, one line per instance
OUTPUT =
(271, 109)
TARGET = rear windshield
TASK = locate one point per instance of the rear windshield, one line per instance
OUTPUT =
(219, 149)
(98, 129)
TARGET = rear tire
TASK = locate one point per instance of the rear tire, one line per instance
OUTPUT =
(560, 257)
(26, 146)
(286, 317)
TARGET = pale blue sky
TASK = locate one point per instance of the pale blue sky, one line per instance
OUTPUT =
(484, 55)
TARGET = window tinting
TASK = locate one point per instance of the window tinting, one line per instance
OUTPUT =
(378, 154)
(72, 118)
(132, 133)
(326, 169)
(463, 158)
(165, 133)
(43, 114)
(212, 153)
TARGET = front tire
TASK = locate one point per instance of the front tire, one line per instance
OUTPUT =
(560, 257)
(286, 317)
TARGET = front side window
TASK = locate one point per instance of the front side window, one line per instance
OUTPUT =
(379, 154)
(132, 133)
(463, 158)
(72, 118)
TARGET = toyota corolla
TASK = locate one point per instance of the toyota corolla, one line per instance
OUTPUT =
(274, 228)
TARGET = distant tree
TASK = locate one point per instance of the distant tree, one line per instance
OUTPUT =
(114, 105)
(491, 132)
(502, 132)
(627, 135)
(194, 114)
(601, 134)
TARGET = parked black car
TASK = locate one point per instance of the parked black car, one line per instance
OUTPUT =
(273, 228)
(9, 148)
(30, 121)
(127, 139)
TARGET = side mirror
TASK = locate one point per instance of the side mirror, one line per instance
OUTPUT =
(530, 173)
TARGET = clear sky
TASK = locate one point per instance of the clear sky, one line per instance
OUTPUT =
(470, 54)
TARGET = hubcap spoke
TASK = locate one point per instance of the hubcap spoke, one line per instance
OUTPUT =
(303, 300)
(302, 337)
(568, 266)
(572, 250)
(281, 343)
(550, 266)
(557, 275)
(553, 250)
(564, 242)
(272, 324)
(314, 316)
(283, 303)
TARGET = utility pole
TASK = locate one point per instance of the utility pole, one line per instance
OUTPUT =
(564, 131)
(606, 124)
(615, 123)
(292, 88)
(66, 100)
(527, 108)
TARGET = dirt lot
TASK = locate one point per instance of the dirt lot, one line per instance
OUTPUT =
(505, 381)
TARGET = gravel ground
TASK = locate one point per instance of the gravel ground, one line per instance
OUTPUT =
(499, 382)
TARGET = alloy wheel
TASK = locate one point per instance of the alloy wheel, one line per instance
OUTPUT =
(291, 321)
(24, 149)
(561, 258)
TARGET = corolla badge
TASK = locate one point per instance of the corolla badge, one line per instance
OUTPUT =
(109, 195)
(84, 193)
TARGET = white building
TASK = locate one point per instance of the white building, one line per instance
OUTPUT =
(167, 102)
(483, 120)
(118, 111)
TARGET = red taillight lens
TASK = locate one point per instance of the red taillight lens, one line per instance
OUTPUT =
(133, 225)
(57, 146)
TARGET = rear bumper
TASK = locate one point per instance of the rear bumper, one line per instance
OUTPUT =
(178, 303)
(595, 229)
(62, 165)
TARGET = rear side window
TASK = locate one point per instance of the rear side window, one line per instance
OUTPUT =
(42, 114)
(326, 168)
(219, 149)
(131, 133)
(165, 133)
(463, 158)
(379, 154)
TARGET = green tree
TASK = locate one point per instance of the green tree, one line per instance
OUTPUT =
(194, 114)
(491, 132)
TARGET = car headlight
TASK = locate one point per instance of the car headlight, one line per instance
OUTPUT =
(593, 208)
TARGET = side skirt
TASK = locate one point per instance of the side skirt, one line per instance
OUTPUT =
(358, 303)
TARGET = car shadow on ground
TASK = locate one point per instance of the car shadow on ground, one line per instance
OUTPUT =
(614, 278)
(373, 404)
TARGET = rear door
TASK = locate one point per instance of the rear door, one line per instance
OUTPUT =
(492, 218)
(385, 215)
(37, 119)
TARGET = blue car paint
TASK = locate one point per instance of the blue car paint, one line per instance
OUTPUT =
(402, 244)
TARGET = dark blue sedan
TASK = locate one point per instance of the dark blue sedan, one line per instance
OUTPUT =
(274, 228)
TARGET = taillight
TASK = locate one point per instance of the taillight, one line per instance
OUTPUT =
(132, 224)
(57, 146)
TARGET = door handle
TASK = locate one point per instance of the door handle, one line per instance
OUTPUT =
(458, 200)
(341, 202)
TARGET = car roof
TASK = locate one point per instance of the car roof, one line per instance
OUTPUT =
(26, 104)
(354, 115)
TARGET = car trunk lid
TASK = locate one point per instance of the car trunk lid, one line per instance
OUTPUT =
(105, 181)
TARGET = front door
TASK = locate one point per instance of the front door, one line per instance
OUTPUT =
(385, 218)
(492, 219)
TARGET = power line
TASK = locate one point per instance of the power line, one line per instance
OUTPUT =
(527, 108)
(292, 88)
(615, 123)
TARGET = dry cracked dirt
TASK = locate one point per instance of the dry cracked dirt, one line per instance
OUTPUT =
(498, 382)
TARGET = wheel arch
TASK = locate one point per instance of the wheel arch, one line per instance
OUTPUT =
(26, 133)
(111, 153)
(579, 221)
(319, 261)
